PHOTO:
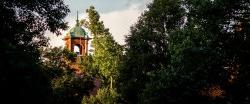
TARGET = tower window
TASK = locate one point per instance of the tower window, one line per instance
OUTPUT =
(77, 49)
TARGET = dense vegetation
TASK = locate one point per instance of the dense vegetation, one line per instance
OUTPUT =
(188, 51)
(22, 27)
(106, 59)
(179, 51)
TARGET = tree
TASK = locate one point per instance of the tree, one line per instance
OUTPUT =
(57, 60)
(147, 47)
(205, 55)
(23, 24)
(219, 44)
(106, 59)
(103, 96)
(68, 86)
(107, 52)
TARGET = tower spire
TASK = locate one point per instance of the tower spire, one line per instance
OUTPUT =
(77, 21)
(77, 15)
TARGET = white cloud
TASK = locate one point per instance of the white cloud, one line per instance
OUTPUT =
(118, 22)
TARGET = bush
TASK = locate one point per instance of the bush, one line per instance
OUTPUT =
(103, 96)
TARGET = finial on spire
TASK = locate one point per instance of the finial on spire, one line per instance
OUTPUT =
(77, 15)
(77, 21)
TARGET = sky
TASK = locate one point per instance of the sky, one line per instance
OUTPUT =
(117, 15)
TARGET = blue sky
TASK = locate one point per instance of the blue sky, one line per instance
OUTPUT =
(102, 5)
(117, 15)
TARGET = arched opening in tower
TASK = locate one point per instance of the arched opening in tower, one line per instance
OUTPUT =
(77, 49)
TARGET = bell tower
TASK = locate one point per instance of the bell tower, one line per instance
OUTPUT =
(76, 40)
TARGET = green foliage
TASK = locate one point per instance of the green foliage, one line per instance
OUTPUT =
(68, 87)
(103, 96)
(178, 52)
(57, 60)
(87, 66)
(147, 47)
(23, 24)
(107, 54)
(105, 61)
(220, 22)
(21, 77)
(193, 67)
(208, 50)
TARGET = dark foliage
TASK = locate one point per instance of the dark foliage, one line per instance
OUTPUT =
(205, 57)
(22, 28)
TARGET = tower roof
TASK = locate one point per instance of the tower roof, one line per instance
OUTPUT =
(77, 31)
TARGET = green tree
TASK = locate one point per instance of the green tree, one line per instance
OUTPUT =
(106, 57)
(23, 24)
(207, 56)
(107, 52)
(216, 56)
(71, 88)
(103, 96)
(68, 86)
(147, 47)
(57, 60)
(204, 58)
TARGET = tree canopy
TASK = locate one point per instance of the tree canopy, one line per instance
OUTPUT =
(201, 60)
(107, 57)
(179, 51)
(22, 27)
(107, 52)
